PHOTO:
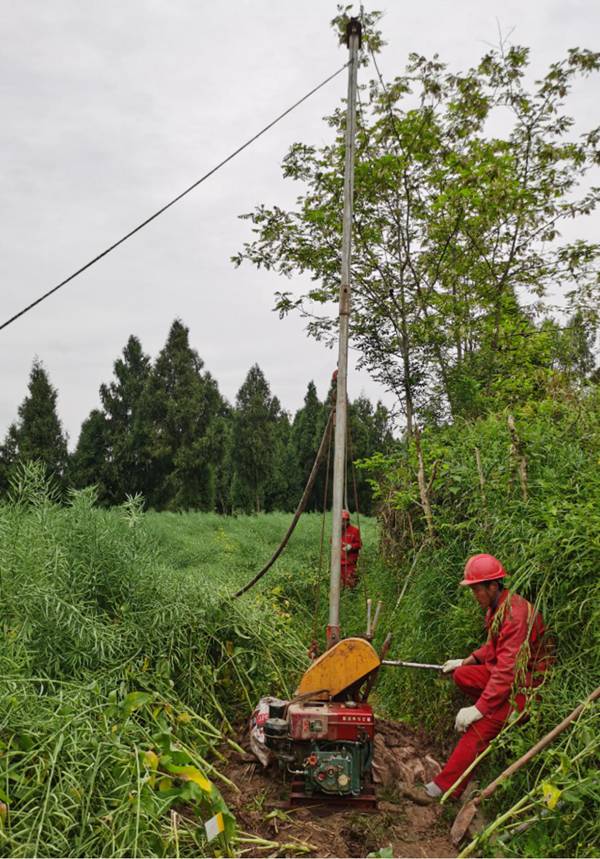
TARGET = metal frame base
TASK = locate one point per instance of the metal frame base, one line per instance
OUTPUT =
(367, 801)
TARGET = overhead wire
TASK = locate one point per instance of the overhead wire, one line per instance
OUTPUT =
(171, 202)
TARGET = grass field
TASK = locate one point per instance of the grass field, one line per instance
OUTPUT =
(126, 664)
(226, 552)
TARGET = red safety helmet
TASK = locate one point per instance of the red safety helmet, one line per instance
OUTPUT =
(482, 568)
(345, 514)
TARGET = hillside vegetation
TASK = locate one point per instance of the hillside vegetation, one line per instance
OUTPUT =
(533, 501)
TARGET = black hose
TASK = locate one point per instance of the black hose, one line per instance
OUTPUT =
(299, 509)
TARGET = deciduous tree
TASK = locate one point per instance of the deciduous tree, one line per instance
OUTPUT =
(462, 183)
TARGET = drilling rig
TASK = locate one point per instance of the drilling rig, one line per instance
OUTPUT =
(324, 736)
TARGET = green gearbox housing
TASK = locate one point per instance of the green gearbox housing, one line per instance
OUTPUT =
(339, 771)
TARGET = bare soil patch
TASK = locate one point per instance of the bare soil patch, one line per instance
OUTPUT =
(401, 755)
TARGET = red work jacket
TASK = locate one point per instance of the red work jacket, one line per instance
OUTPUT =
(513, 623)
(351, 538)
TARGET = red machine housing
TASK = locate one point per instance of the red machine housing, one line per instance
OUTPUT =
(334, 721)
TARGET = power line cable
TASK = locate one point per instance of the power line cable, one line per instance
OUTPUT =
(172, 202)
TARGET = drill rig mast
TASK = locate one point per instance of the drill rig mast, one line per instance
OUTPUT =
(324, 736)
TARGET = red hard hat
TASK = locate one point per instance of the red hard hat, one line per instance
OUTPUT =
(345, 514)
(482, 568)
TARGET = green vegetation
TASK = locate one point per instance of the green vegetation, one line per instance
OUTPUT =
(544, 525)
(37, 434)
(164, 431)
(462, 182)
(125, 665)
(125, 662)
(121, 672)
(125, 658)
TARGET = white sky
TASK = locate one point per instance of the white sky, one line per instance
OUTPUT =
(110, 109)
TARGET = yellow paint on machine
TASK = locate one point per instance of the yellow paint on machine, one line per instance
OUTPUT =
(348, 661)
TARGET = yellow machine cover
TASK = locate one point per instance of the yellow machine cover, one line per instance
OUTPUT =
(341, 666)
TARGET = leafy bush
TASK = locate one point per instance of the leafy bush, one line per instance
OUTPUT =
(546, 534)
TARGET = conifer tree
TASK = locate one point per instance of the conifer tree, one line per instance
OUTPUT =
(38, 433)
(280, 493)
(222, 433)
(112, 450)
(8, 458)
(91, 462)
(179, 405)
(370, 432)
(254, 434)
(126, 430)
(307, 431)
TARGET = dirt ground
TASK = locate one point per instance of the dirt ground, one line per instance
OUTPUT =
(401, 755)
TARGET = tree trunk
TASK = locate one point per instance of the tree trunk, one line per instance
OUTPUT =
(516, 450)
(423, 485)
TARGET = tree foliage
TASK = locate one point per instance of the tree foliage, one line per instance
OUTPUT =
(164, 432)
(462, 183)
(178, 406)
(37, 434)
(257, 428)
(541, 521)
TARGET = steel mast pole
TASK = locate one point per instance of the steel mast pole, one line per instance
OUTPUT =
(353, 39)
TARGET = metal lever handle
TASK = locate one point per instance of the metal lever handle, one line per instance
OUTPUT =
(397, 663)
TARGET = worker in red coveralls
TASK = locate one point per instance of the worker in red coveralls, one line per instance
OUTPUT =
(497, 675)
(351, 546)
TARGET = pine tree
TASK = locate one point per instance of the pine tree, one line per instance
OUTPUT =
(91, 462)
(370, 432)
(38, 433)
(8, 458)
(112, 451)
(222, 432)
(307, 430)
(254, 435)
(179, 405)
(127, 432)
(280, 494)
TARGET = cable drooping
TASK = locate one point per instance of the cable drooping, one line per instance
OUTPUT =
(299, 509)
(171, 203)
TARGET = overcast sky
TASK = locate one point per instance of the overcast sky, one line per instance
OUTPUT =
(109, 109)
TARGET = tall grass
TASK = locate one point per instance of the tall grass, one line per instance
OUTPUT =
(119, 666)
(550, 545)
(124, 657)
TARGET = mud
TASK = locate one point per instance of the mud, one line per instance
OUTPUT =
(402, 756)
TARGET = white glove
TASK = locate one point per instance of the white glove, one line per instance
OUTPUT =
(450, 665)
(466, 717)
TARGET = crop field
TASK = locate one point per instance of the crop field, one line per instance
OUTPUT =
(126, 665)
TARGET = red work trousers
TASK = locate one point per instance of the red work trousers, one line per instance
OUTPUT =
(472, 680)
(348, 572)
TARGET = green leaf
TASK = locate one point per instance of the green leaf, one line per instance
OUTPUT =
(134, 701)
